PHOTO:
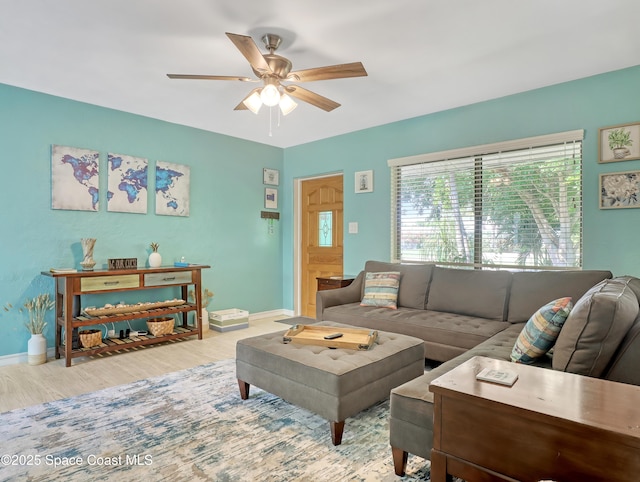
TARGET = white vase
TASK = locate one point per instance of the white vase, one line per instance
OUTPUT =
(155, 260)
(205, 320)
(37, 349)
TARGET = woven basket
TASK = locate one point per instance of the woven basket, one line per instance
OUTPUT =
(160, 326)
(89, 338)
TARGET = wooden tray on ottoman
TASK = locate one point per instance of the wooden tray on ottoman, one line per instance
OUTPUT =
(353, 338)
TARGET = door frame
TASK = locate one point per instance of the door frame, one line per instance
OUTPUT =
(297, 234)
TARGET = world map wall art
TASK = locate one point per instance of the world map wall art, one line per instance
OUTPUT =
(75, 175)
(172, 189)
(128, 177)
(74, 178)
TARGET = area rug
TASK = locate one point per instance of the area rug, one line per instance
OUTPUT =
(192, 425)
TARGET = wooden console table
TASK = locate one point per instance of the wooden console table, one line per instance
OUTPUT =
(70, 287)
(548, 425)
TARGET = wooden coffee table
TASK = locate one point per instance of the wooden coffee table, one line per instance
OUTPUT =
(548, 425)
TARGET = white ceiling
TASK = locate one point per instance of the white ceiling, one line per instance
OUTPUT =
(422, 56)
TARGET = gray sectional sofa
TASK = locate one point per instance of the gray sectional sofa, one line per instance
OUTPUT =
(465, 313)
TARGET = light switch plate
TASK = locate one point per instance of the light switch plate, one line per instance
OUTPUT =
(353, 228)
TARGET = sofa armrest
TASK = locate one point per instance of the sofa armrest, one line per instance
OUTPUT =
(339, 296)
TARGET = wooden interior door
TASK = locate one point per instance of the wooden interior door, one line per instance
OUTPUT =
(321, 236)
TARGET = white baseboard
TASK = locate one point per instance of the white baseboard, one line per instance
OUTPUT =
(268, 314)
(51, 352)
(22, 357)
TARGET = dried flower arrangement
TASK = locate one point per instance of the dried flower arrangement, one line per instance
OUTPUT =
(206, 297)
(36, 308)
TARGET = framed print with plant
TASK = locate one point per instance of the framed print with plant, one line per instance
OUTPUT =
(619, 143)
(270, 177)
(620, 190)
(364, 181)
(270, 198)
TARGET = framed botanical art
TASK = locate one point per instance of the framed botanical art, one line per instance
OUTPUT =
(620, 190)
(619, 143)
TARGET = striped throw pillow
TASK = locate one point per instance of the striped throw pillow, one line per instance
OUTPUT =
(541, 331)
(381, 289)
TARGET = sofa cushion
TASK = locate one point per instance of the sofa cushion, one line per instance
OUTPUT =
(532, 289)
(381, 289)
(541, 331)
(595, 328)
(414, 283)
(470, 292)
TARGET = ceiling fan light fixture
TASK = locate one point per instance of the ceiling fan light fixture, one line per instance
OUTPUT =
(253, 102)
(270, 95)
(287, 104)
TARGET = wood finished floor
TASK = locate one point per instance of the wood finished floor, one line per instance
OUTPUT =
(22, 385)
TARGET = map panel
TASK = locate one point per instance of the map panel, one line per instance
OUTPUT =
(128, 177)
(74, 178)
(172, 189)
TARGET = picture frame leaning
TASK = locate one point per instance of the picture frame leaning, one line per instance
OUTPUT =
(619, 143)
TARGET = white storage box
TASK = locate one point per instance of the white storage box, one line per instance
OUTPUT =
(227, 320)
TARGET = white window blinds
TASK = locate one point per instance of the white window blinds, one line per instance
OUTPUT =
(516, 204)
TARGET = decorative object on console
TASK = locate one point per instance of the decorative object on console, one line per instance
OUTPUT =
(122, 263)
(620, 190)
(122, 308)
(619, 143)
(87, 262)
(541, 331)
(155, 259)
(363, 181)
(381, 289)
(172, 189)
(74, 178)
(160, 326)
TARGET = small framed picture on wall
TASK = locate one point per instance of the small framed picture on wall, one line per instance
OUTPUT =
(620, 190)
(270, 198)
(619, 143)
(270, 177)
(364, 181)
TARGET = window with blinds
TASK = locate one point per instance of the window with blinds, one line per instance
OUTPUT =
(514, 205)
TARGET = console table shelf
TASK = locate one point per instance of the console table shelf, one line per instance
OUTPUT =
(133, 341)
(70, 287)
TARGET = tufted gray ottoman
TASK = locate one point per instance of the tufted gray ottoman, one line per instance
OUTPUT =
(334, 383)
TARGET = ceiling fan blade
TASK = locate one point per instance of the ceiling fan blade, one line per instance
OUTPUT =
(241, 105)
(211, 77)
(341, 71)
(311, 98)
(249, 49)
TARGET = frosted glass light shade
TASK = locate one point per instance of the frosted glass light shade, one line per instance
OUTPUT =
(253, 102)
(270, 95)
(287, 104)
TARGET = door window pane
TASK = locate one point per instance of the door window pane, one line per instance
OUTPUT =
(325, 229)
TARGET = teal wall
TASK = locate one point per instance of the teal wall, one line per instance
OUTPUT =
(591, 103)
(252, 269)
(224, 228)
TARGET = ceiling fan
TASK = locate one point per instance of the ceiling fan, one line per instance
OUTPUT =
(275, 73)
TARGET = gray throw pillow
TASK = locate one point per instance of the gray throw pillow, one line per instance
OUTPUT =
(595, 328)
